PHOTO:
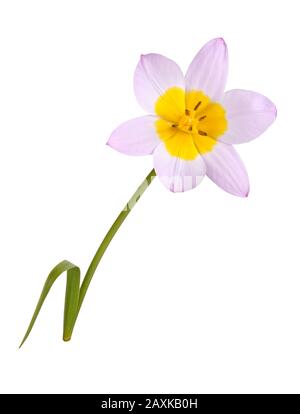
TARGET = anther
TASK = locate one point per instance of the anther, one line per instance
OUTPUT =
(197, 106)
(190, 128)
(174, 125)
(202, 133)
(187, 112)
(202, 117)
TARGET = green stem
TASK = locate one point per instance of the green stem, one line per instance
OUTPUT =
(75, 293)
(108, 238)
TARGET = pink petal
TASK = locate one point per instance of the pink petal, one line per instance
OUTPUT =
(248, 114)
(153, 76)
(175, 173)
(226, 169)
(135, 137)
(208, 70)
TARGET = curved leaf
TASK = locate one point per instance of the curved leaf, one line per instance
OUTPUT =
(71, 298)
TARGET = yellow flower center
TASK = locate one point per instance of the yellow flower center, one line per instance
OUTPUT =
(190, 123)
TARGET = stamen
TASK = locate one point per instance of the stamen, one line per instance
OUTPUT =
(190, 128)
(173, 125)
(202, 117)
(197, 106)
(202, 133)
(187, 112)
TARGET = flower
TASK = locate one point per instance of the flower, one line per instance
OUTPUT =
(193, 123)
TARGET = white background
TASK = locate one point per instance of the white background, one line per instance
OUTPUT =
(199, 292)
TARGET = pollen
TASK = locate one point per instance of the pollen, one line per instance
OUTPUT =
(197, 105)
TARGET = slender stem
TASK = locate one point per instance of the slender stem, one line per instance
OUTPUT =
(75, 293)
(110, 235)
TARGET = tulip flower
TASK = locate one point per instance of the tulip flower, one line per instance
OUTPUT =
(192, 124)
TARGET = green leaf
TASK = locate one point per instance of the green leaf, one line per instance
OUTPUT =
(71, 298)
